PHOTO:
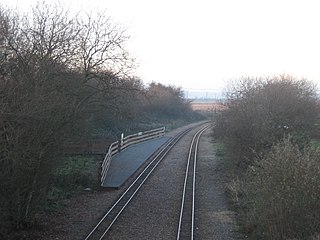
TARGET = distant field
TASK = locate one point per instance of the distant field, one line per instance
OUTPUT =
(207, 106)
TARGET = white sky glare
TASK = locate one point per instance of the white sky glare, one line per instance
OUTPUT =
(200, 44)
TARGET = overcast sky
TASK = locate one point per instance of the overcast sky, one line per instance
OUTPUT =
(200, 44)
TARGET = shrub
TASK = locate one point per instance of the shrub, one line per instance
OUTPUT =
(279, 197)
(260, 112)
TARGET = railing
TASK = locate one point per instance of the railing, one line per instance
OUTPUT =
(125, 142)
(113, 149)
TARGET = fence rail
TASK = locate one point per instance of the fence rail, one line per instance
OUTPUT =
(125, 142)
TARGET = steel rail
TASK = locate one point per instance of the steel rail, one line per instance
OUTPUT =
(117, 208)
(193, 151)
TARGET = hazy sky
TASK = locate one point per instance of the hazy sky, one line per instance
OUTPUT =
(199, 44)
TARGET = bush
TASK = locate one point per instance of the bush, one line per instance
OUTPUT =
(279, 198)
(260, 112)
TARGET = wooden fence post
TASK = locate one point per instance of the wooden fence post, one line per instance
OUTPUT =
(121, 142)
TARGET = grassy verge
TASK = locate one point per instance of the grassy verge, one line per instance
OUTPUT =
(73, 176)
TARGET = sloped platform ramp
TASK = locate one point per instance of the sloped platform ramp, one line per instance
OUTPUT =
(128, 161)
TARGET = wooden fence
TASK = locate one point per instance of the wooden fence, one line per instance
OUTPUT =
(125, 142)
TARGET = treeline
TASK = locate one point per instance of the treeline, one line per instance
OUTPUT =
(267, 131)
(64, 76)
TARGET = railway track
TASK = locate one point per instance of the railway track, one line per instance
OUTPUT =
(101, 229)
(187, 209)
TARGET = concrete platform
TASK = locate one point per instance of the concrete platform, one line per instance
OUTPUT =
(127, 162)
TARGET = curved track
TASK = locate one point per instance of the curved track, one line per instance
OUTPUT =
(101, 229)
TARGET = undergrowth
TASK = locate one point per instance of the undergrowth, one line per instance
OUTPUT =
(278, 196)
(74, 175)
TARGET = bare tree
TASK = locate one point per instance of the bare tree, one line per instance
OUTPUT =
(54, 67)
(101, 46)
